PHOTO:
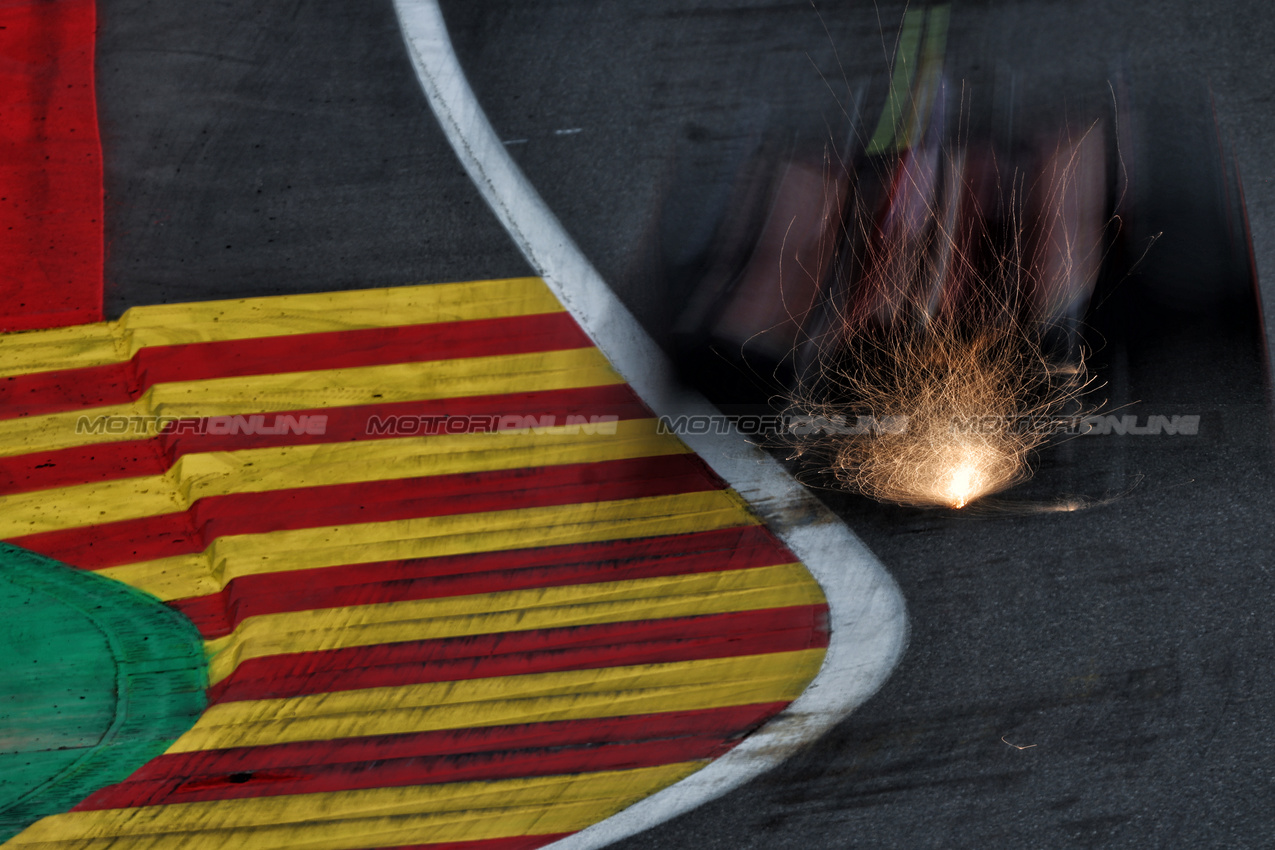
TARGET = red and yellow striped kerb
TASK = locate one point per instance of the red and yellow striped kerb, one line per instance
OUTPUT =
(457, 589)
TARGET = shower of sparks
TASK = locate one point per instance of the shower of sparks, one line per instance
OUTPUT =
(952, 330)
(962, 400)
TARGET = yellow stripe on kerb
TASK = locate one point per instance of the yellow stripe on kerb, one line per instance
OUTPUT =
(364, 385)
(468, 376)
(321, 312)
(87, 504)
(200, 476)
(536, 698)
(229, 557)
(82, 346)
(567, 606)
(76, 347)
(53, 431)
(351, 820)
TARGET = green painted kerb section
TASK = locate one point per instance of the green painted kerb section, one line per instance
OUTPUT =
(96, 679)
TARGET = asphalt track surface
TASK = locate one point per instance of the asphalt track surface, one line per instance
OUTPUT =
(263, 149)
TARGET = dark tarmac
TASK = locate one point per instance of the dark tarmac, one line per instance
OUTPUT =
(264, 149)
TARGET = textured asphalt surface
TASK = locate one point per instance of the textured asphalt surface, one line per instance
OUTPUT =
(269, 148)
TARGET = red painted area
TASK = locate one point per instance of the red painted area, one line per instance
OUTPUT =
(525, 842)
(737, 548)
(130, 458)
(392, 772)
(119, 383)
(194, 530)
(50, 166)
(79, 465)
(536, 651)
(169, 778)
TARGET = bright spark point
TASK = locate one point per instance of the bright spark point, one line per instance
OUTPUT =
(962, 485)
(945, 325)
(960, 399)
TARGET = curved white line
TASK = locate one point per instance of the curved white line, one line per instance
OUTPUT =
(866, 609)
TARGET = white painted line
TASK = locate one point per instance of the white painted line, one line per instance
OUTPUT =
(868, 619)
(568, 132)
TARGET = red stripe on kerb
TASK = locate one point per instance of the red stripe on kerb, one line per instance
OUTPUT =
(80, 465)
(168, 778)
(425, 578)
(523, 842)
(399, 772)
(51, 167)
(192, 531)
(535, 651)
(130, 458)
(119, 383)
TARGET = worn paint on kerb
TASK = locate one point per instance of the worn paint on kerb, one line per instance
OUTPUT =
(573, 616)
(96, 679)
